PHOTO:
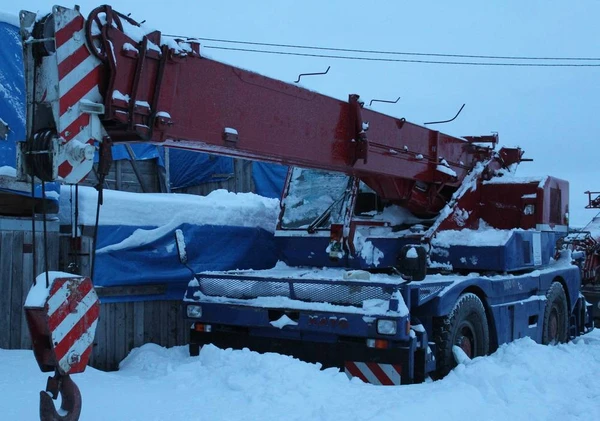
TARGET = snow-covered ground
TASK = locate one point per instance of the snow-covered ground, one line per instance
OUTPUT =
(521, 381)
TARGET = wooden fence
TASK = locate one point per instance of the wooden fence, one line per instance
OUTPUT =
(149, 177)
(17, 273)
(122, 326)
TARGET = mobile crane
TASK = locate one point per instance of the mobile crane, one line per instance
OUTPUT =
(431, 250)
(586, 242)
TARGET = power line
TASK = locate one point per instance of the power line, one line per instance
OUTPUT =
(351, 50)
(379, 59)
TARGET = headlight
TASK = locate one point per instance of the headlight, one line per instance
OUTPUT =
(194, 311)
(386, 327)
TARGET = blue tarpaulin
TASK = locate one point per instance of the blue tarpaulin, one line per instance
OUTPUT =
(269, 179)
(193, 168)
(12, 104)
(12, 92)
(188, 168)
(141, 152)
(209, 247)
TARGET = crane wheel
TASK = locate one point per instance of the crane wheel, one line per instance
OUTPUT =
(466, 326)
(556, 319)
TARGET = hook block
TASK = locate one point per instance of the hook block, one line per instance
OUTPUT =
(62, 321)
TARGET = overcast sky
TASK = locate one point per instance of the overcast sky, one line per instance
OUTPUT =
(552, 113)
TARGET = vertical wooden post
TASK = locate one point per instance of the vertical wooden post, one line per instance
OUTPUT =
(6, 238)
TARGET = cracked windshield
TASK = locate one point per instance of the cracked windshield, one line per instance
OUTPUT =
(314, 198)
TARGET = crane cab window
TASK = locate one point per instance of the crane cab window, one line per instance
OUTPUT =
(315, 198)
(368, 203)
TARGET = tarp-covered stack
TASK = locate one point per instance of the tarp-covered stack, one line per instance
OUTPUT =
(15, 197)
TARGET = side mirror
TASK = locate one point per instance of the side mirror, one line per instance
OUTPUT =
(180, 242)
(412, 262)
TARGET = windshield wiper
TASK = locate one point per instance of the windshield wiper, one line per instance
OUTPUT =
(319, 220)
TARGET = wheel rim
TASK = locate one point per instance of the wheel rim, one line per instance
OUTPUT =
(466, 339)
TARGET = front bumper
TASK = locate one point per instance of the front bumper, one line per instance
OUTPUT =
(346, 353)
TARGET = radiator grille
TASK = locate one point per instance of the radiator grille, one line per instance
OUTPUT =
(323, 291)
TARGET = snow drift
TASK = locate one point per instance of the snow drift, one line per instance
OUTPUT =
(521, 381)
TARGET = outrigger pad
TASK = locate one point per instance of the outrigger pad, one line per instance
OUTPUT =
(62, 321)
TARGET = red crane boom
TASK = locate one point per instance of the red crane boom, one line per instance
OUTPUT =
(105, 80)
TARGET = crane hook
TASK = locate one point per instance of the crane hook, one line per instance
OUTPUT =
(71, 399)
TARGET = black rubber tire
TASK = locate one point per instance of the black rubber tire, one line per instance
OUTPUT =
(556, 316)
(194, 350)
(466, 323)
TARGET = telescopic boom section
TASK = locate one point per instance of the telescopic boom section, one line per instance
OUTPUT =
(114, 81)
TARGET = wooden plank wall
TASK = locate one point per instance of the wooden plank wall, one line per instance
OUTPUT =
(125, 325)
(123, 177)
(150, 178)
(17, 273)
(122, 326)
(240, 181)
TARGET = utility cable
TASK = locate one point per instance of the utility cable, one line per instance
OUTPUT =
(460, 63)
(33, 250)
(45, 236)
(403, 53)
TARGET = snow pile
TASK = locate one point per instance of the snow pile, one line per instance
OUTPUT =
(7, 171)
(507, 177)
(371, 254)
(521, 381)
(283, 271)
(397, 215)
(370, 307)
(485, 236)
(168, 211)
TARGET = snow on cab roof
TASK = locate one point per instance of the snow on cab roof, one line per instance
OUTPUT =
(511, 178)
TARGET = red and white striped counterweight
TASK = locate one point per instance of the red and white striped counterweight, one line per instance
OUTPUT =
(62, 321)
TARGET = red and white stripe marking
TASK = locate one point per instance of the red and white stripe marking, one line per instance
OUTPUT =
(78, 79)
(73, 309)
(374, 373)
